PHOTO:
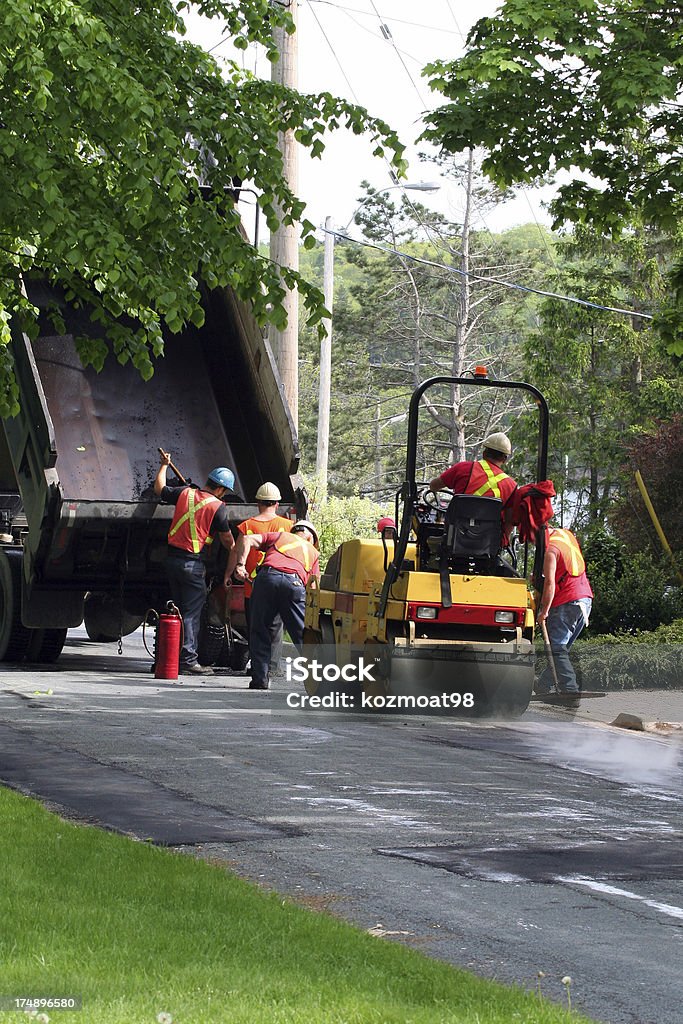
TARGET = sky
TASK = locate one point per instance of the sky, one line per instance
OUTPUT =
(372, 52)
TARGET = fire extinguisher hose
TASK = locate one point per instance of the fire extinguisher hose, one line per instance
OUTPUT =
(152, 613)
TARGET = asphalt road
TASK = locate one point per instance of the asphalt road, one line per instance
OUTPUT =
(552, 844)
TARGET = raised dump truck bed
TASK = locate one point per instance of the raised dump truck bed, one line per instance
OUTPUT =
(78, 462)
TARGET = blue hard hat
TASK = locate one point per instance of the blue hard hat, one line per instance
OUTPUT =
(222, 476)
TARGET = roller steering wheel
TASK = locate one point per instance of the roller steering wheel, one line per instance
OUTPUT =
(434, 501)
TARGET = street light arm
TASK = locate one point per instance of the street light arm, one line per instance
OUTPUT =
(417, 186)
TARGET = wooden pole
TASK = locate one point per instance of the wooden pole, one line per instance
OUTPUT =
(656, 523)
(284, 243)
(549, 655)
(171, 466)
(322, 454)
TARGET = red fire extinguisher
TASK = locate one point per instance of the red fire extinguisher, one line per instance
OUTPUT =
(168, 643)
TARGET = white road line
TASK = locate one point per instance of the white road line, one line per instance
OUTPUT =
(611, 890)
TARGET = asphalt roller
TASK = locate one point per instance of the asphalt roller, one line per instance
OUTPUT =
(435, 617)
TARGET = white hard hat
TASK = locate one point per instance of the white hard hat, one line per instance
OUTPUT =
(268, 492)
(498, 442)
(304, 524)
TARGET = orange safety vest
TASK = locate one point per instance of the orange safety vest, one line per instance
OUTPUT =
(278, 524)
(485, 481)
(568, 546)
(192, 520)
(291, 553)
(571, 582)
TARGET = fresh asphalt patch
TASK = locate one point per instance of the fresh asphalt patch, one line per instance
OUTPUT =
(118, 800)
(605, 861)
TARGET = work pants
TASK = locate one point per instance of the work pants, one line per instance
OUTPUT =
(564, 623)
(276, 636)
(187, 580)
(275, 593)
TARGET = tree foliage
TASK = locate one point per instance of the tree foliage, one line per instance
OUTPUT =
(632, 589)
(120, 148)
(605, 376)
(593, 86)
(657, 453)
(404, 315)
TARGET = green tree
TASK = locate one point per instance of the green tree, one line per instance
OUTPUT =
(400, 317)
(605, 376)
(121, 146)
(657, 454)
(594, 86)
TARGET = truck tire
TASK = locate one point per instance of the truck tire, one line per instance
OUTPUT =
(238, 657)
(14, 636)
(211, 643)
(45, 645)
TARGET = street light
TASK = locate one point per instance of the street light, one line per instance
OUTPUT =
(323, 448)
(415, 186)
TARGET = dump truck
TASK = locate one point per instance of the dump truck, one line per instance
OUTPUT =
(82, 535)
(438, 614)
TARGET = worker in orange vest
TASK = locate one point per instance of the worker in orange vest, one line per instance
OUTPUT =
(267, 521)
(485, 478)
(565, 606)
(199, 516)
(290, 560)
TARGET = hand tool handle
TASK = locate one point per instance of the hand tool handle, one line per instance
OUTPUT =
(174, 468)
(549, 653)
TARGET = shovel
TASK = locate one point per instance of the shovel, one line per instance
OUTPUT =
(559, 696)
(549, 655)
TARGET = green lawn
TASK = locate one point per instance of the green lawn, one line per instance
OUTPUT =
(138, 931)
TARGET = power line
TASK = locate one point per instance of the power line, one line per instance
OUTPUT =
(524, 191)
(386, 32)
(488, 280)
(384, 29)
(390, 18)
(333, 52)
(455, 22)
(541, 232)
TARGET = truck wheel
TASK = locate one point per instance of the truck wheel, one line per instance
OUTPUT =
(45, 645)
(239, 656)
(14, 636)
(211, 643)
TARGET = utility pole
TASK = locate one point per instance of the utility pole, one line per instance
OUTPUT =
(322, 453)
(323, 448)
(284, 243)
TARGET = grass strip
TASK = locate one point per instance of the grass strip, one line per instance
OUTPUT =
(138, 931)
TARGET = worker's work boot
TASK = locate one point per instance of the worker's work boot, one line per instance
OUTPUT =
(196, 670)
(262, 684)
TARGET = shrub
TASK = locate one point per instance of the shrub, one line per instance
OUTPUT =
(340, 519)
(632, 591)
(627, 661)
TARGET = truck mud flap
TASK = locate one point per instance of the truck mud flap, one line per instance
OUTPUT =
(51, 609)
